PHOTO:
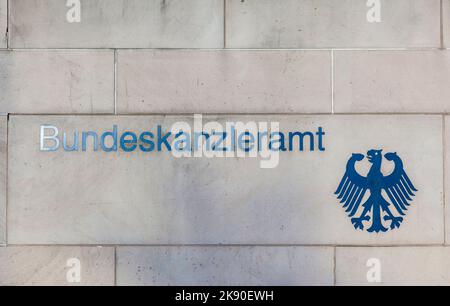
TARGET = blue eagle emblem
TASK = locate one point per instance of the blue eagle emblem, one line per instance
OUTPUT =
(397, 186)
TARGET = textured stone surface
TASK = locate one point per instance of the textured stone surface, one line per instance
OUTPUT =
(50, 81)
(118, 24)
(3, 149)
(446, 22)
(416, 266)
(447, 176)
(153, 198)
(392, 81)
(331, 23)
(3, 23)
(218, 221)
(50, 266)
(225, 266)
(224, 81)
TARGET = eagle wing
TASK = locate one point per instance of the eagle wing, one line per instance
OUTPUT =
(353, 186)
(398, 186)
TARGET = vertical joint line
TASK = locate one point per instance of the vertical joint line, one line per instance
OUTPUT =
(334, 266)
(442, 25)
(115, 265)
(332, 81)
(444, 177)
(6, 198)
(115, 81)
(224, 24)
(8, 27)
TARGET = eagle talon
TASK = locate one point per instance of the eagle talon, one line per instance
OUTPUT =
(395, 221)
(358, 222)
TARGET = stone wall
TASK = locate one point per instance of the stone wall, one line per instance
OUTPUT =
(371, 74)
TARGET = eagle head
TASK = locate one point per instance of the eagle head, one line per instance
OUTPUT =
(374, 155)
(390, 156)
(357, 156)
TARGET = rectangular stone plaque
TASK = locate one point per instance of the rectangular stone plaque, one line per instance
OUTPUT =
(118, 197)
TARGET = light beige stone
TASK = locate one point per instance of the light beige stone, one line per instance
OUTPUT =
(51, 81)
(118, 24)
(225, 266)
(56, 266)
(3, 23)
(3, 149)
(447, 176)
(398, 266)
(446, 22)
(154, 198)
(224, 81)
(391, 81)
(331, 24)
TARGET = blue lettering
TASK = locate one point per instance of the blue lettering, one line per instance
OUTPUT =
(146, 138)
(246, 141)
(112, 134)
(163, 140)
(94, 138)
(128, 145)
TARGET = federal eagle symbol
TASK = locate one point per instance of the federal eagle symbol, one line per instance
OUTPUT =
(397, 186)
